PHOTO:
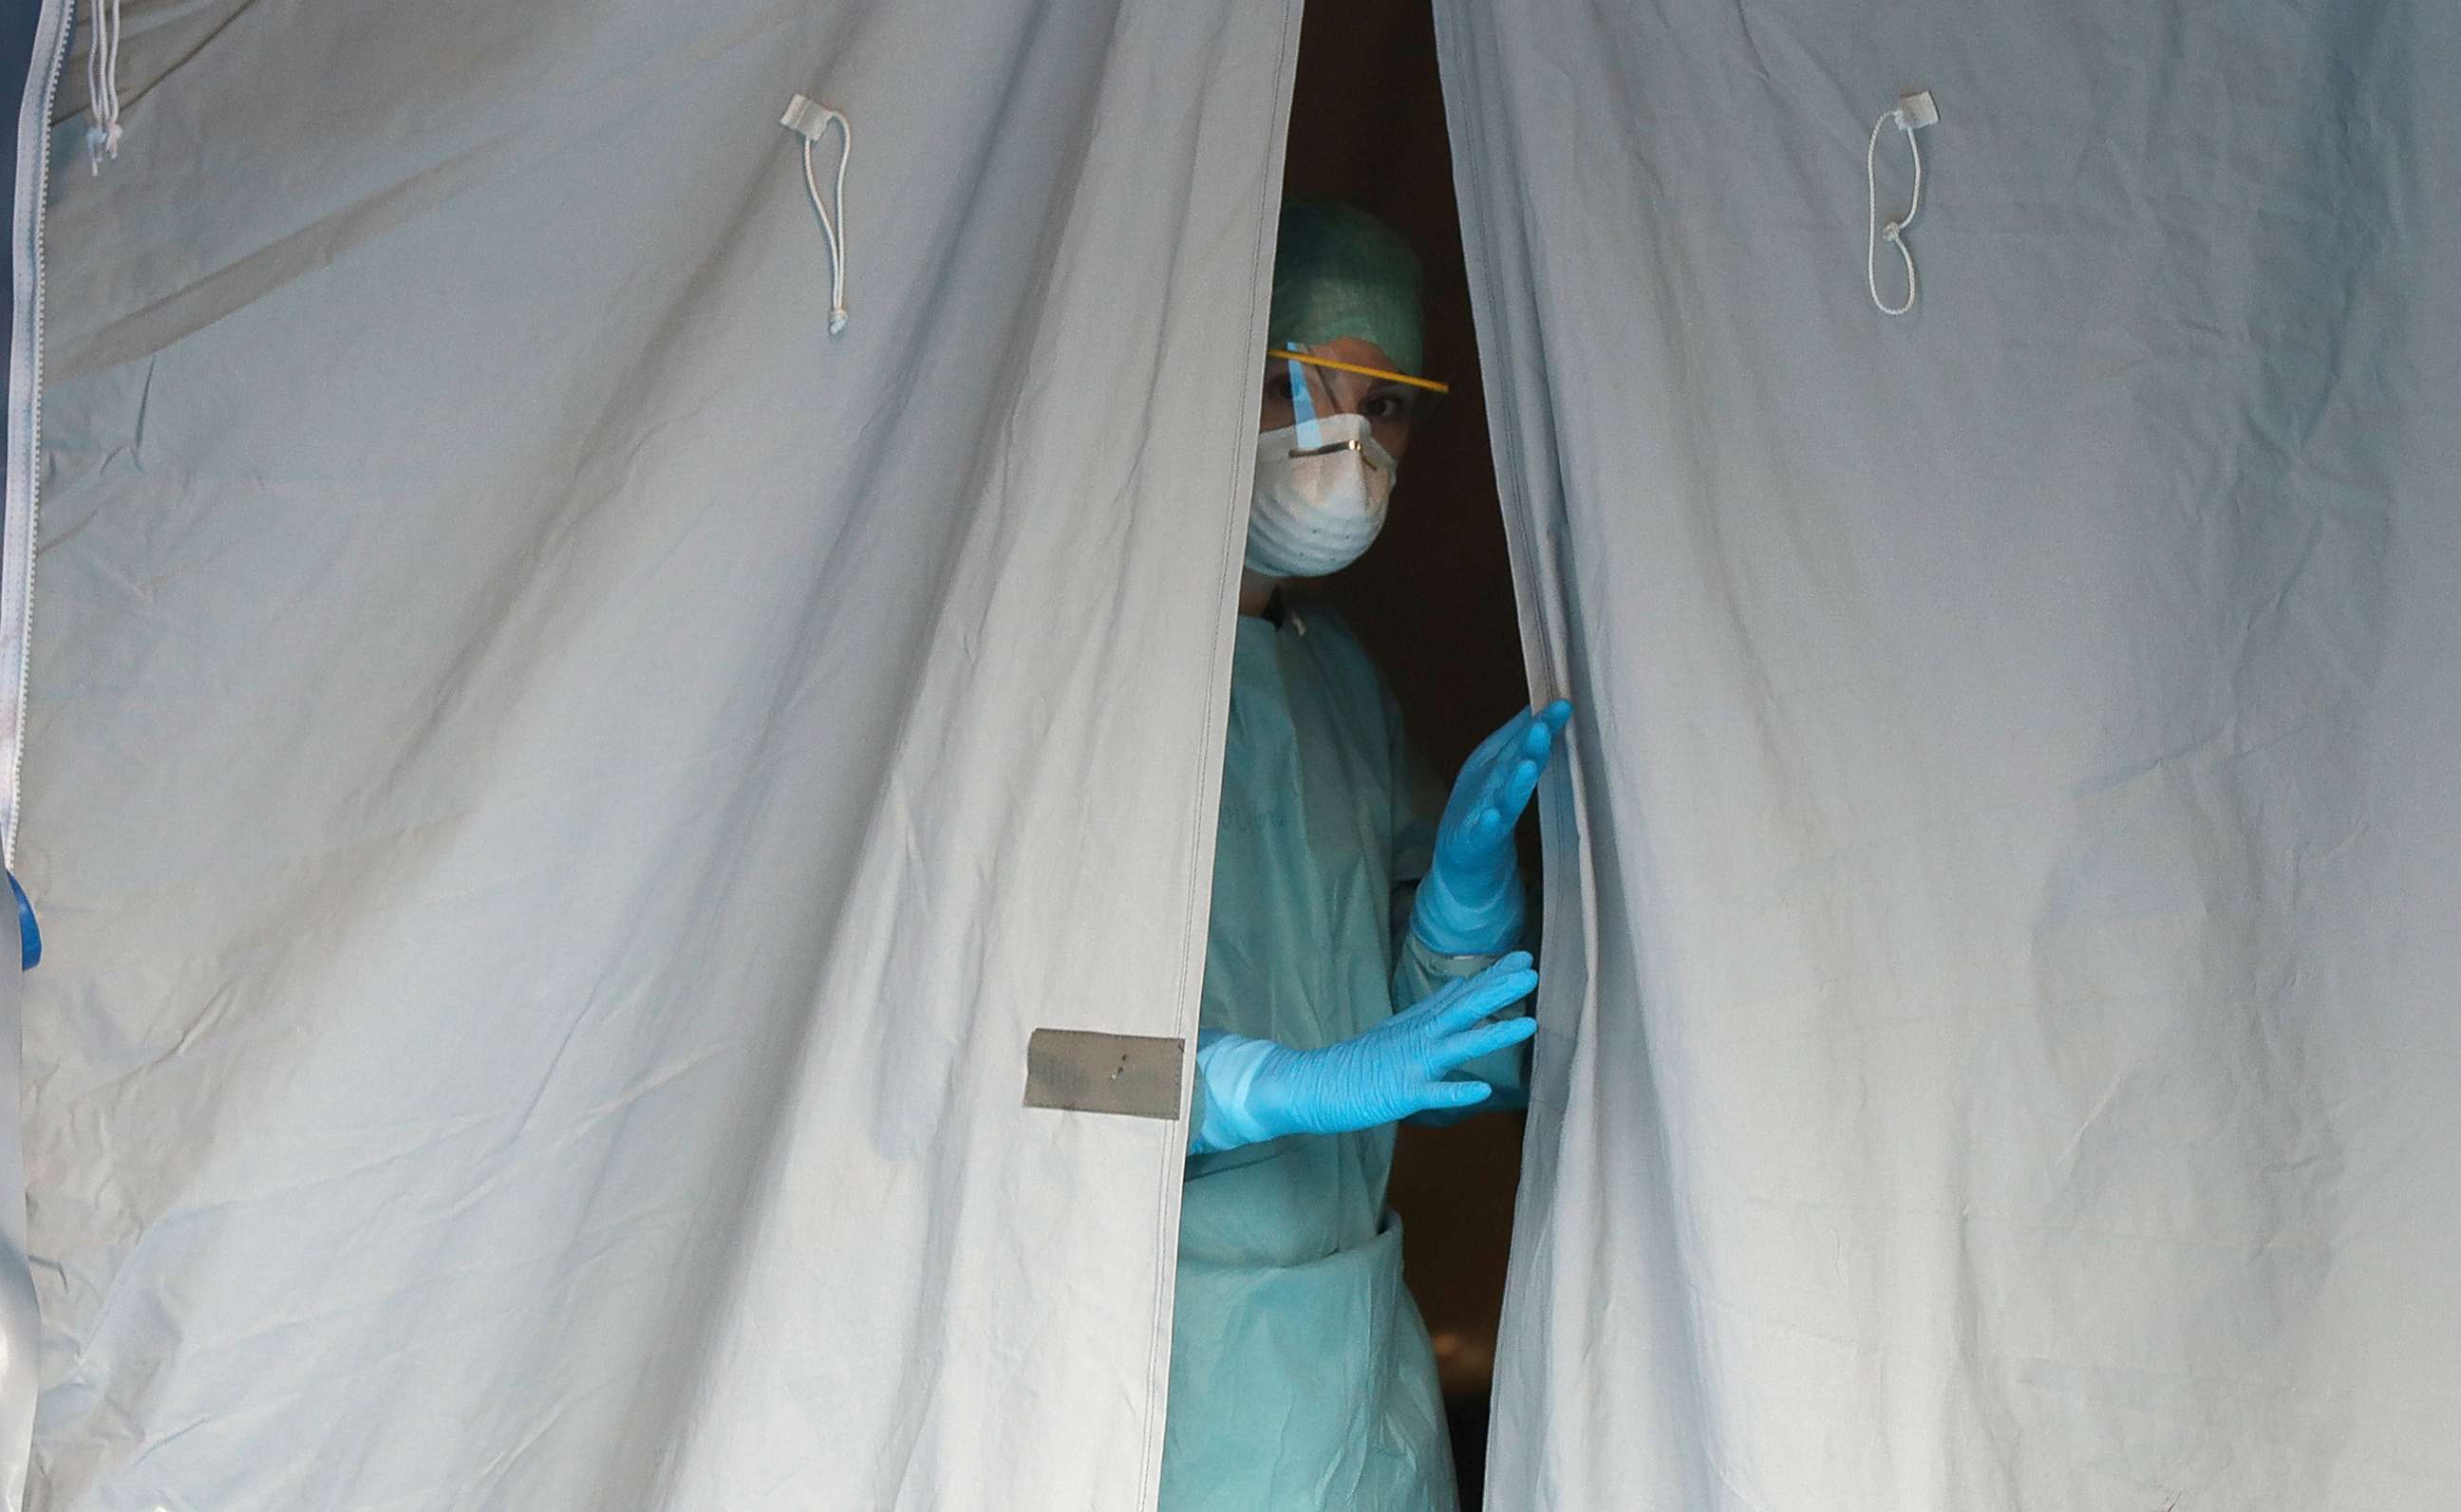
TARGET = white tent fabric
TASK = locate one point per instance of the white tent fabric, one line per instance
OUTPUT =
(2001, 1033)
(559, 792)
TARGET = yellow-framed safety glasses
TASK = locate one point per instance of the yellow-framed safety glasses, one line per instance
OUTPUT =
(1360, 368)
(1423, 394)
(1430, 384)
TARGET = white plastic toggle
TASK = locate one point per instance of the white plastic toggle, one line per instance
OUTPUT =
(805, 118)
(1916, 110)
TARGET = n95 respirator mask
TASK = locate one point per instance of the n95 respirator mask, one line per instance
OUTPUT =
(1322, 490)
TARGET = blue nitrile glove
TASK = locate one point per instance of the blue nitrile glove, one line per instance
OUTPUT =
(30, 934)
(1254, 1090)
(1470, 903)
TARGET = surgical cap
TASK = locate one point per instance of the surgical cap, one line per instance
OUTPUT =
(1339, 271)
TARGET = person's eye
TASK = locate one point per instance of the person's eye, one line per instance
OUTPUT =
(1388, 407)
(1277, 386)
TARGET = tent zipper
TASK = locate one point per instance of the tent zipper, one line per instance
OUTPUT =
(25, 421)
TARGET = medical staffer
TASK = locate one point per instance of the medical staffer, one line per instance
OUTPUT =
(1361, 966)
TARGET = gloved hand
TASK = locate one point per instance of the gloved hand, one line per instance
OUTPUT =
(1470, 903)
(1257, 1090)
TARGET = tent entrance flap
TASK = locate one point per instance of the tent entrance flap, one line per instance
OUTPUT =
(563, 790)
(30, 194)
(2014, 899)
(21, 1324)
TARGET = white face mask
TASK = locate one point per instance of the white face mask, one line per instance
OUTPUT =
(1322, 488)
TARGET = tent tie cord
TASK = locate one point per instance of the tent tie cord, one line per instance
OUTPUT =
(811, 121)
(102, 82)
(1910, 113)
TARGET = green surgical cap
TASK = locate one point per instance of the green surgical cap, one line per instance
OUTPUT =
(1339, 271)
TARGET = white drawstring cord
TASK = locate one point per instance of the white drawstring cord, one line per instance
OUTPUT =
(1894, 232)
(809, 121)
(829, 226)
(102, 82)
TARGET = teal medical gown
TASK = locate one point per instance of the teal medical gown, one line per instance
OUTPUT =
(1301, 1376)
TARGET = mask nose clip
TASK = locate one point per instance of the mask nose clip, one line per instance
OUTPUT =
(1372, 459)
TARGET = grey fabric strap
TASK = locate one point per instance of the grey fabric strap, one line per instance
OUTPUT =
(1082, 1072)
